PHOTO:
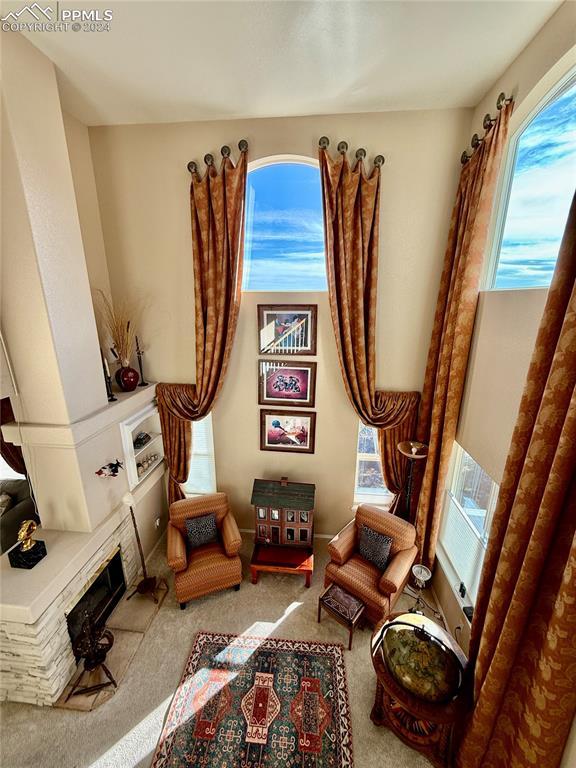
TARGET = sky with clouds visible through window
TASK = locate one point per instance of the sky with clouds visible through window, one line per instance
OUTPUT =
(542, 189)
(284, 246)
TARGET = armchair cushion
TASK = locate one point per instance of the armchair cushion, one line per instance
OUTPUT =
(360, 578)
(231, 537)
(209, 570)
(374, 546)
(342, 546)
(400, 531)
(201, 530)
(396, 574)
(175, 549)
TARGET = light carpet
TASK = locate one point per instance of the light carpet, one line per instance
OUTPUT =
(123, 733)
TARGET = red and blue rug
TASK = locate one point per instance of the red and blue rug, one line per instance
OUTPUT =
(253, 702)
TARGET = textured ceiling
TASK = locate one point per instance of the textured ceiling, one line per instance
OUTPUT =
(176, 61)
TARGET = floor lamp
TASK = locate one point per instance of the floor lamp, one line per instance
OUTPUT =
(413, 451)
(149, 585)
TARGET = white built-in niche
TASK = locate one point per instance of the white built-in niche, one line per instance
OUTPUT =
(142, 460)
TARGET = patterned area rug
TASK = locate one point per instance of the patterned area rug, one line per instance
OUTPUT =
(255, 702)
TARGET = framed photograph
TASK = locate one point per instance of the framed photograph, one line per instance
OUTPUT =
(283, 383)
(292, 431)
(287, 329)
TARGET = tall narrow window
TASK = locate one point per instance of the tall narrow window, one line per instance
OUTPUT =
(468, 508)
(369, 486)
(284, 243)
(202, 476)
(541, 191)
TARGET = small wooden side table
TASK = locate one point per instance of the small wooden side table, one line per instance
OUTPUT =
(422, 725)
(273, 559)
(345, 608)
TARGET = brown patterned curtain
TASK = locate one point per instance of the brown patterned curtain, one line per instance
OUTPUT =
(217, 210)
(12, 454)
(453, 326)
(351, 218)
(524, 629)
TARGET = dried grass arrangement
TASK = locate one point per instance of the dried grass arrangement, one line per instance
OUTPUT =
(119, 322)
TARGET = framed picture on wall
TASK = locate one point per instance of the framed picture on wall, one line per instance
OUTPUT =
(283, 383)
(291, 431)
(287, 329)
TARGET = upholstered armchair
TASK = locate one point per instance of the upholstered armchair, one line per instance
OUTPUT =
(377, 589)
(208, 568)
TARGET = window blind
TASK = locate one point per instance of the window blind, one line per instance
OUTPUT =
(202, 476)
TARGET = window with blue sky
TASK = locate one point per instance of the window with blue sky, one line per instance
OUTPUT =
(284, 244)
(542, 188)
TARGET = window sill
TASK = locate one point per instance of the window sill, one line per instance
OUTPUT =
(377, 500)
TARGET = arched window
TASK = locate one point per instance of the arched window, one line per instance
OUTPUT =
(284, 241)
(540, 187)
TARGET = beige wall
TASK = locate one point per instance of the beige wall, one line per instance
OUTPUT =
(142, 185)
(236, 423)
(507, 321)
(549, 55)
(34, 119)
(506, 327)
(78, 143)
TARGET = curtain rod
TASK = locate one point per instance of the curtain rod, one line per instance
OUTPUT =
(487, 124)
(324, 143)
(224, 151)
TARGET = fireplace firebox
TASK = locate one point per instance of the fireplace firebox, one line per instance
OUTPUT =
(100, 599)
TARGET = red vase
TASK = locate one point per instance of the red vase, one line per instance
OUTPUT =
(127, 378)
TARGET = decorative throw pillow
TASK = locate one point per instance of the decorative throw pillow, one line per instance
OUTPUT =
(375, 547)
(201, 530)
(5, 503)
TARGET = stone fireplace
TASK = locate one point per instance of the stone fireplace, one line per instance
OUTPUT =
(37, 656)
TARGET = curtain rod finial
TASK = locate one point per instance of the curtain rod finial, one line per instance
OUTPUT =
(243, 145)
(488, 121)
(324, 142)
(502, 100)
(192, 167)
(379, 160)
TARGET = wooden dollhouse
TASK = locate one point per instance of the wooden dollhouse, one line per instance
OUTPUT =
(284, 512)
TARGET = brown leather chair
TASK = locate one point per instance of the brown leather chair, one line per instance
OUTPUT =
(208, 568)
(377, 589)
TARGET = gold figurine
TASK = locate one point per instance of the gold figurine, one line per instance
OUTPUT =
(30, 551)
(25, 533)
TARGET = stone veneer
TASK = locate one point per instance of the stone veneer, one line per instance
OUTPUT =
(36, 660)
